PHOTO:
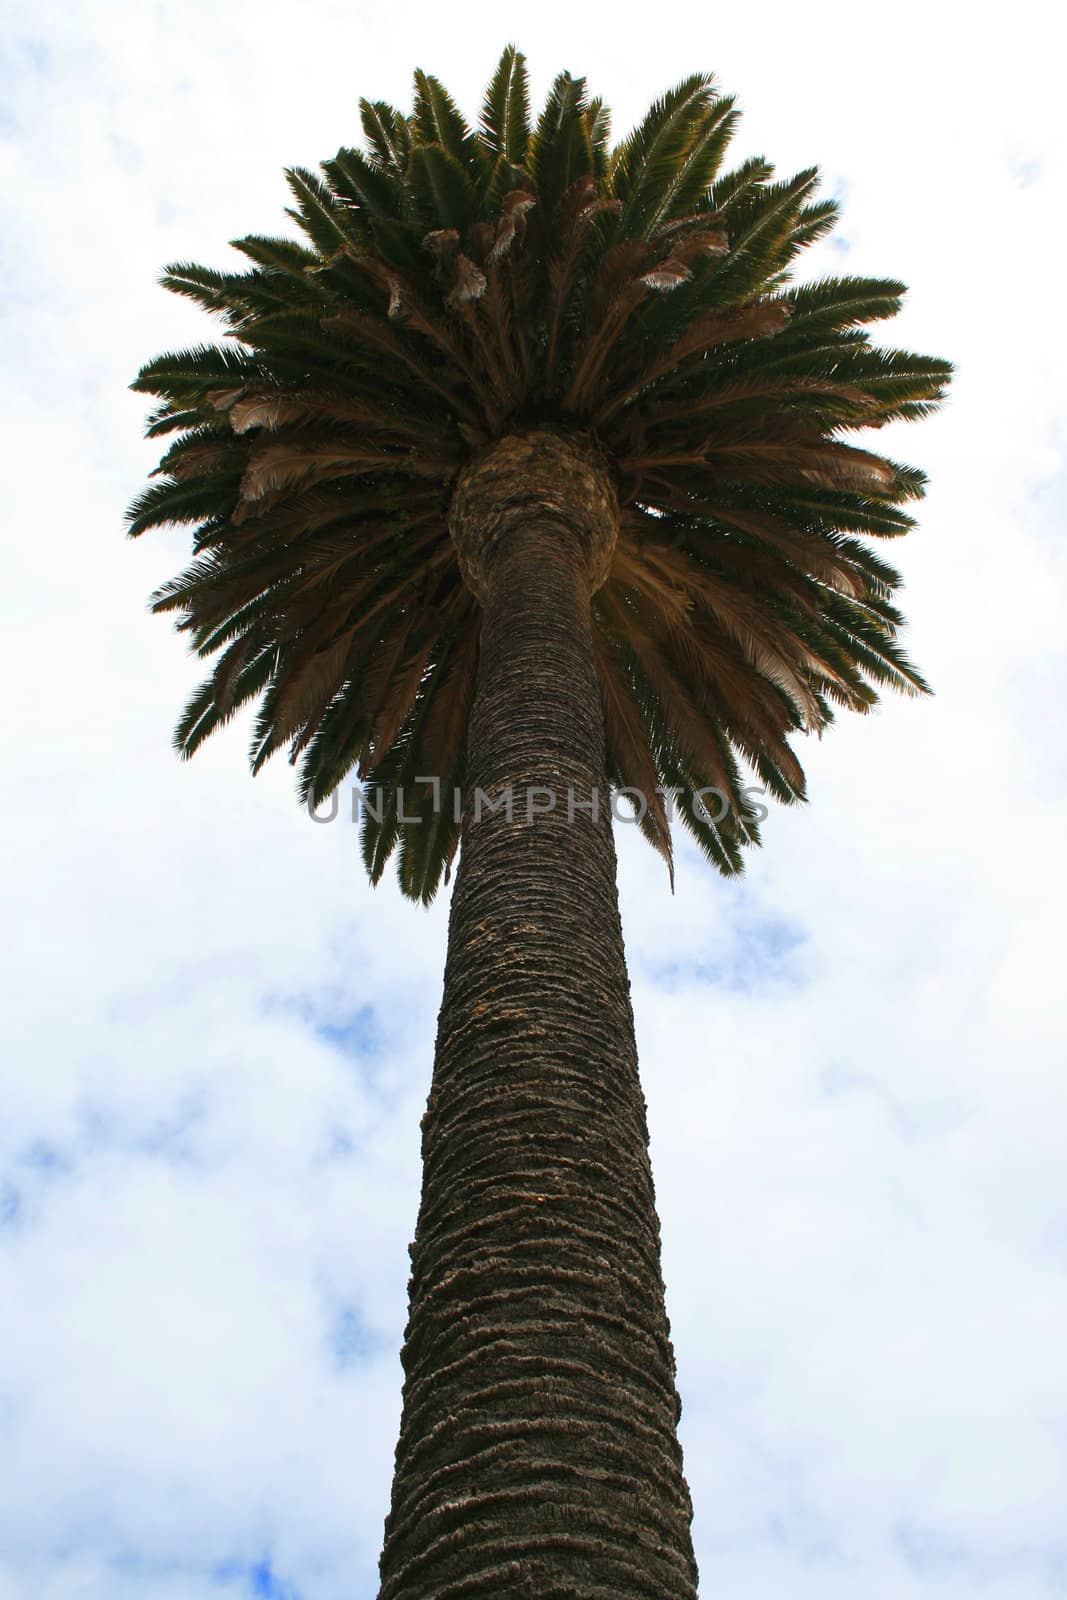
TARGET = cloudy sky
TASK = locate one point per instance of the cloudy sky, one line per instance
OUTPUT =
(217, 1038)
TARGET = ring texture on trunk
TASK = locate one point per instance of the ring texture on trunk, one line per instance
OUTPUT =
(541, 474)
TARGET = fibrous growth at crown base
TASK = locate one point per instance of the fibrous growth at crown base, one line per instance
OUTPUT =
(454, 285)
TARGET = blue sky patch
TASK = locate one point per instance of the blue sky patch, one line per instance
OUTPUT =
(256, 1578)
(350, 1339)
(759, 952)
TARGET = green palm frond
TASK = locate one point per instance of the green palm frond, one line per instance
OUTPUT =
(437, 120)
(560, 150)
(387, 134)
(505, 123)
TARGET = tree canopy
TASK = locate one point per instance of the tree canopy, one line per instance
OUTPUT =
(452, 285)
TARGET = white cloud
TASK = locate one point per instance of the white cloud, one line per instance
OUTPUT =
(219, 1038)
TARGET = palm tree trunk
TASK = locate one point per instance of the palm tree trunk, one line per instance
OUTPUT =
(538, 1451)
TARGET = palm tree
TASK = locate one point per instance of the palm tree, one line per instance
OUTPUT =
(525, 477)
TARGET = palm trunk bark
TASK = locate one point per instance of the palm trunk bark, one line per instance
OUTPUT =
(538, 1451)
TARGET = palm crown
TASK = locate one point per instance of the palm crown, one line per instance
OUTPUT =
(458, 285)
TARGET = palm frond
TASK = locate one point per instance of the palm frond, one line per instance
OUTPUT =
(505, 122)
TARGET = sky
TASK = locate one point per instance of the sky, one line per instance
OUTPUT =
(217, 1038)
